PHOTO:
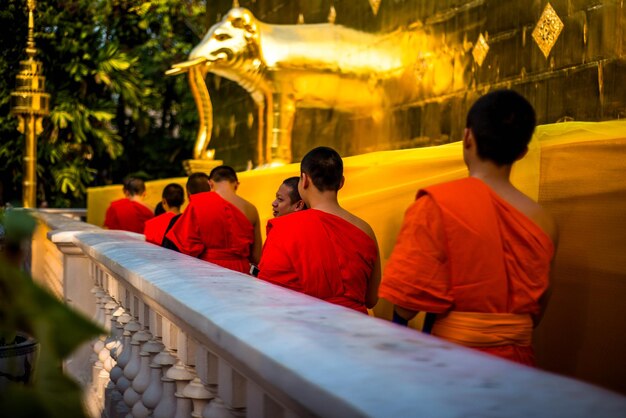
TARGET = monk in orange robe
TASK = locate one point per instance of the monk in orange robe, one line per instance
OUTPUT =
(219, 226)
(476, 252)
(324, 251)
(196, 183)
(288, 198)
(129, 214)
(172, 199)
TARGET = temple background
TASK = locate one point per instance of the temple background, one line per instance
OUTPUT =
(576, 169)
(583, 78)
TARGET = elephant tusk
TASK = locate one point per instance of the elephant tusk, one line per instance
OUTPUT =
(182, 67)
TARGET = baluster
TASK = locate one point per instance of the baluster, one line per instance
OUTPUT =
(149, 350)
(181, 377)
(166, 403)
(131, 397)
(98, 346)
(199, 396)
(122, 383)
(231, 388)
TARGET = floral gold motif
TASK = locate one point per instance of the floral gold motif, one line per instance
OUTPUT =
(547, 30)
(480, 50)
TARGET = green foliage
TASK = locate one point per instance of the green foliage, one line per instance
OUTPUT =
(16, 225)
(112, 110)
(26, 307)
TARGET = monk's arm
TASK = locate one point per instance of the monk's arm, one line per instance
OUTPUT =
(257, 245)
(553, 231)
(402, 316)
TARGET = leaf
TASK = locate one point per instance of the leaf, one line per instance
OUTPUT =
(58, 329)
(18, 225)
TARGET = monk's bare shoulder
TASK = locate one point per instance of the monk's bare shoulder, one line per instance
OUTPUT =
(250, 211)
(361, 224)
(537, 213)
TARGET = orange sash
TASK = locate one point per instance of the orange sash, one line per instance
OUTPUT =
(475, 329)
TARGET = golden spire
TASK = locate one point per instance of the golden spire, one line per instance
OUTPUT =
(30, 41)
(30, 103)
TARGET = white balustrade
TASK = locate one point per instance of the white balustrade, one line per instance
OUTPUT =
(244, 347)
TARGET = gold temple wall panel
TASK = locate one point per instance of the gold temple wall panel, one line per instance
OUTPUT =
(582, 78)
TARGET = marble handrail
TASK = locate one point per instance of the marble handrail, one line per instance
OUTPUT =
(317, 359)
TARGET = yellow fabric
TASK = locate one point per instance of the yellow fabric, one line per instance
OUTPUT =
(474, 329)
(380, 185)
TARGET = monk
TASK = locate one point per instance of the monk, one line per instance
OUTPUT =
(219, 226)
(324, 251)
(129, 213)
(196, 183)
(475, 253)
(288, 199)
(172, 199)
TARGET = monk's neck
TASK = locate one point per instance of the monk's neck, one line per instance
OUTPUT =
(136, 198)
(225, 190)
(491, 174)
(325, 201)
(175, 211)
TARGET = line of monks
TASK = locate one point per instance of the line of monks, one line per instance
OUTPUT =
(474, 254)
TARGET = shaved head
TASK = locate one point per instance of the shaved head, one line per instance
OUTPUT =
(198, 183)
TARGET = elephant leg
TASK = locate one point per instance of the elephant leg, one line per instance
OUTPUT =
(279, 140)
(262, 135)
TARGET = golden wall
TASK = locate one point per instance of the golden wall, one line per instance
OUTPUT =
(582, 78)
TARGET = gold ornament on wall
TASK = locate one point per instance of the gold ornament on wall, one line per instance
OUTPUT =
(332, 14)
(548, 29)
(375, 6)
(480, 50)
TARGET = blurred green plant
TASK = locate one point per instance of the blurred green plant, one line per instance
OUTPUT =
(59, 330)
(112, 110)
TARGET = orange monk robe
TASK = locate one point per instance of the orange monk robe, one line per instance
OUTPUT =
(156, 227)
(214, 230)
(464, 249)
(319, 254)
(127, 215)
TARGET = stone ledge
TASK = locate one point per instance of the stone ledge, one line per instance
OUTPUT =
(333, 361)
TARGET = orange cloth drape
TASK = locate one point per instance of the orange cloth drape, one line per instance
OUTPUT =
(156, 227)
(126, 215)
(321, 255)
(214, 230)
(463, 248)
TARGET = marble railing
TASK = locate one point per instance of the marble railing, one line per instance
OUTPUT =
(188, 338)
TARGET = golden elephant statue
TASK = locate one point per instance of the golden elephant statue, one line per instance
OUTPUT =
(285, 67)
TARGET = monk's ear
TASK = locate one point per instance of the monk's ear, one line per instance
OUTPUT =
(212, 184)
(304, 180)
(299, 205)
(236, 185)
(343, 180)
(468, 138)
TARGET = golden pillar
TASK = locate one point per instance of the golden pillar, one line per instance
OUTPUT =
(30, 103)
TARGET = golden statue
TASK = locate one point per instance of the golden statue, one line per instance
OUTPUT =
(306, 65)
